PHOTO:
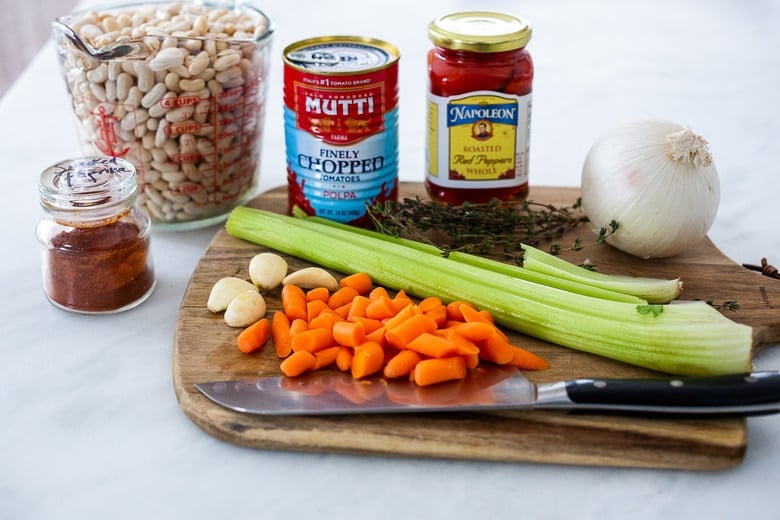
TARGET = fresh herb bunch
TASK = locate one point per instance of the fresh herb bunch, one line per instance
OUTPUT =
(480, 228)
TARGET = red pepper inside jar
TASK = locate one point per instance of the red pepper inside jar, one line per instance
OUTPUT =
(479, 108)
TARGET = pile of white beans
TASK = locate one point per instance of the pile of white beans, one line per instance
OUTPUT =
(188, 116)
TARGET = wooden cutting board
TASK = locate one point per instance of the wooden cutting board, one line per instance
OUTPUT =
(204, 350)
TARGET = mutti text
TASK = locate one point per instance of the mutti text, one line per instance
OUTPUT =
(344, 107)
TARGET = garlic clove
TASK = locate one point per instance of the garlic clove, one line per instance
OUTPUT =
(245, 309)
(311, 277)
(224, 290)
(267, 270)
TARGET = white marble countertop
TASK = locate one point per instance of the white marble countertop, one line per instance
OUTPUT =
(90, 424)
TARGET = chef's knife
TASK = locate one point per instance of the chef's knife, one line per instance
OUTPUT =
(499, 388)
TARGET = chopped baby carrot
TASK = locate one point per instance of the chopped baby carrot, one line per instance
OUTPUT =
(463, 345)
(471, 314)
(297, 363)
(378, 292)
(326, 357)
(526, 360)
(431, 345)
(358, 307)
(325, 319)
(496, 349)
(369, 324)
(314, 308)
(312, 340)
(298, 325)
(428, 303)
(280, 332)
(401, 316)
(344, 358)
(318, 293)
(453, 310)
(474, 330)
(341, 297)
(361, 282)
(349, 333)
(254, 336)
(377, 336)
(438, 314)
(368, 359)
(405, 332)
(431, 371)
(401, 364)
(294, 302)
(343, 311)
(380, 308)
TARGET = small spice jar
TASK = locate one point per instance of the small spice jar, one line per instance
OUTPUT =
(479, 107)
(95, 238)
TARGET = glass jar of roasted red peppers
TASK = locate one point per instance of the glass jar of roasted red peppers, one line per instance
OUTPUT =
(479, 107)
(94, 237)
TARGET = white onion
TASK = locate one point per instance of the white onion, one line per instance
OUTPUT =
(656, 179)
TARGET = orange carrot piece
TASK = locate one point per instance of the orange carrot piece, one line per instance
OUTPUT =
(324, 320)
(341, 297)
(453, 310)
(318, 293)
(487, 316)
(368, 359)
(401, 364)
(400, 317)
(378, 336)
(312, 340)
(343, 311)
(358, 307)
(254, 336)
(326, 357)
(428, 304)
(297, 363)
(378, 292)
(400, 304)
(431, 345)
(405, 332)
(314, 308)
(474, 330)
(294, 302)
(463, 345)
(369, 324)
(280, 332)
(438, 314)
(526, 360)
(431, 371)
(471, 314)
(496, 349)
(472, 360)
(349, 333)
(298, 325)
(380, 308)
(344, 358)
(361, 282)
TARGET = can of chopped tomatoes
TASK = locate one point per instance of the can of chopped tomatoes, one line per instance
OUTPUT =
(341, 125)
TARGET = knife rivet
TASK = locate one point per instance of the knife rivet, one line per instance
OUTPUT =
(676, 383)
(751, 379)
(600, 384)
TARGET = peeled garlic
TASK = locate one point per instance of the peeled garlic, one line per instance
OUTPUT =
(245, 309)
(267, 270)
(225, 290)
(310, 277)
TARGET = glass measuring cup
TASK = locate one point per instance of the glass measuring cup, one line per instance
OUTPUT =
(179, 90)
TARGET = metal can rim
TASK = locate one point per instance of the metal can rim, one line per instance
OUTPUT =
(392, 51)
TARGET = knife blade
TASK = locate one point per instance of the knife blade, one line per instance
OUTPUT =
(499, 388)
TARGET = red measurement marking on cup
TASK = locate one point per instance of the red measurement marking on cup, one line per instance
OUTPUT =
(106, 134)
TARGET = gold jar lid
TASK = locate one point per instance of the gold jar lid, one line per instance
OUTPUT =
(480, 31)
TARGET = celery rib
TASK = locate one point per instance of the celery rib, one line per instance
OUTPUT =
(689, 339)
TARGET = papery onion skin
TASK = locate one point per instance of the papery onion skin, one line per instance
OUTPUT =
(663, 201)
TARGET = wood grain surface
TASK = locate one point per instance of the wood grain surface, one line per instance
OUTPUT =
(205, 350)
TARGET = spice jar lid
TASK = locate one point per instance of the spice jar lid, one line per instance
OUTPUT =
(480, 31)
(88, 183)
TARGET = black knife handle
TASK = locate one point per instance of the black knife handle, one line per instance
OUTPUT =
(749, 393)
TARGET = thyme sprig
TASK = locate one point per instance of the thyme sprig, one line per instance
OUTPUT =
(481, 228)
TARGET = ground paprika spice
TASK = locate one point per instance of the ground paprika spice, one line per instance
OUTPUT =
(96, 240)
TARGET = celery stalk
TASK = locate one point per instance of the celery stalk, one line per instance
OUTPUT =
(690, 339)
(575, 279)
